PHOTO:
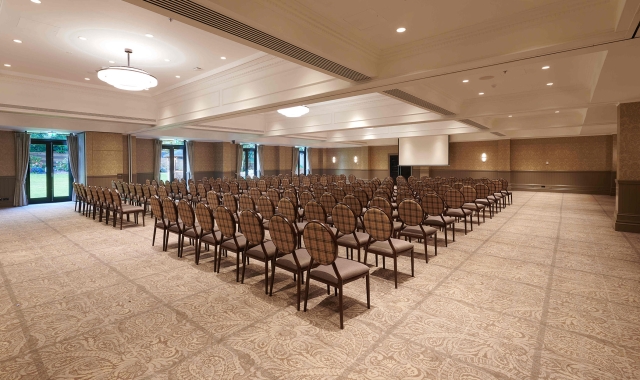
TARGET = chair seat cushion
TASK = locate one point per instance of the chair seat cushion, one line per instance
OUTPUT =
(160, 224)
(383, 247)
(348, 270)
(456, 212)
(288, 262)
(351, 241)
(210, 240)
(301, 226)
(484, 202)
(473, 206)
(231, 244)
(130, 208)
(259, 254)
(397, 226)
(190, 233)
(416, 231)
(437, 221)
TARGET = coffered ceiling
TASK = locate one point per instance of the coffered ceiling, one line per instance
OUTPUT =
(533, 68)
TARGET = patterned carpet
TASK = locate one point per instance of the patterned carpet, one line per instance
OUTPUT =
(546, 289)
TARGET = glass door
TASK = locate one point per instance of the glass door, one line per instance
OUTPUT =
(249, 162)
(172, 163)
(49, 178)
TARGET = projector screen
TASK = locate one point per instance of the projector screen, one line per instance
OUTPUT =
(424, 151)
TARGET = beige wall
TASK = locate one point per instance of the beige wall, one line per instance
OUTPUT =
(7, 167)
(467, 155)
(8, 149)
(144, 156)
(379, 157)
(584, 153)
(204, 157)
(104, 157)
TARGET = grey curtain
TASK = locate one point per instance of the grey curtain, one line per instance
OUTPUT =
(259, 150)
(239, 153)
(190, 157)
(23, 140)
(308, 161)
(157, 158)
(74, 155)
(294, 162)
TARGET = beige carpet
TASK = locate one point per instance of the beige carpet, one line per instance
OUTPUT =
(546, 289)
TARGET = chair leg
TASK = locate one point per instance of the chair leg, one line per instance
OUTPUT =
(368, 295)
(238, 265)
(454, 231)
(273, 275)
(435, 242)
(266, 276)
(426, 256)
(341, 306)
(198, 248)
(395, 269)
(306, 292)
(153, 242)
(412, 273)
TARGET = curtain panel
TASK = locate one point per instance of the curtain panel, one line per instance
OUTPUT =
(157, 158)
(74, 159)
(294, 161)
(239, 157)
(308, 155)
(190, 158)
(23, 141)
(259, 157)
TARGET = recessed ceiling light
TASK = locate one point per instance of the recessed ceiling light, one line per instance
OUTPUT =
(510, 115)
(294, 111)
(149, 35)
(545, 67)
(557, 111)
(87, 79)
(36, 1)
(465, 81)
(167, 60)
(7, 65)
(17, 41)
(82, 38)
(223, 57)
(550, 84)
(481, 93)
(177, 76)
(401, 30)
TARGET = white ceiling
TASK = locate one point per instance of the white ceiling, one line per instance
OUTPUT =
(500, 46)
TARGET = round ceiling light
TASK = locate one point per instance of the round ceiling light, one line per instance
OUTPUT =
(545, 67)
(223, 57)
(82, 38)
(294, 111)
(7, 65)
(17, 41)
(401, 30)
(127, 77)
(465, 81)
(36, 1)
(149, 35)
(550, 84)
(481, 93)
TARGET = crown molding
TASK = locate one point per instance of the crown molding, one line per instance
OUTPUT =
(524, 95)
(303, 15)
(75, 114)
(483, 32)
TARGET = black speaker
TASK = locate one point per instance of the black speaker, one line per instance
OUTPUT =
(233, 141)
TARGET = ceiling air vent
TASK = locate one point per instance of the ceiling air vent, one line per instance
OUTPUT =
(206, 16)
(473, 124)
(399, 94)
(498, 134)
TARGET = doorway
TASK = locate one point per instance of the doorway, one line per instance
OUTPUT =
(172, 163)
(249, 164)
(49, 178)
(395, 169)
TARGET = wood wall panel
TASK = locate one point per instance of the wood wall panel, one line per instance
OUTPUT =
(7, 188)
(627, 213)
(144, 156)
(8, 149)
(584, 153)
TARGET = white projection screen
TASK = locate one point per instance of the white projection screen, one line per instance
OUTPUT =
(424, 151)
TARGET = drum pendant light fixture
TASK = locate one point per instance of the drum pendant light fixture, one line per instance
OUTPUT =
(127, 77)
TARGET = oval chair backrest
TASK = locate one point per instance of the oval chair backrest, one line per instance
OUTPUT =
(212, 199)
(362, 196)
(234, 188)
(338, 193)
(251, 226)
(185, 211)
(273, 194)
(454, 198)
(328, 201)
(262, 186)
(320, 243)
(283, 234)
(230, 202)
(292, 196)
(378, 224)
(315, 211)
(344, 218)
(267, 210)
(170, 210)
(305, 197)
(246, 203)
(205, 217)
(432, 204)
(156, 207)
(226, 222)
(469, 194)
(162, 192)
(286, 208)
(410, 212)
(383, 204)
(482, 191)
(353, 203)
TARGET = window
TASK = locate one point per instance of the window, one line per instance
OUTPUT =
(302, 160)
(48, 178)
(249, 161)
(172, 162)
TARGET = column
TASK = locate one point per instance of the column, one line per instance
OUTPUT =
(627, 213)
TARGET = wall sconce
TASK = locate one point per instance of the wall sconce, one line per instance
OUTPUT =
(333, 159)
(483, 157)
(355, 159)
